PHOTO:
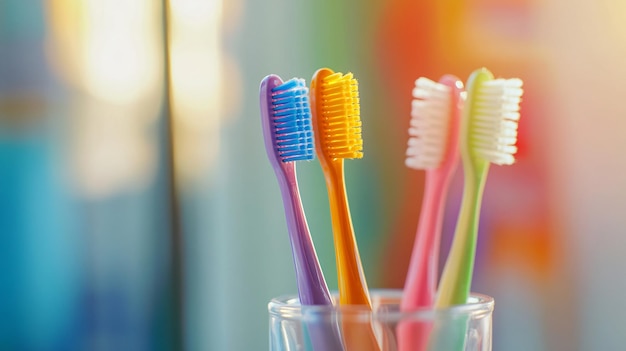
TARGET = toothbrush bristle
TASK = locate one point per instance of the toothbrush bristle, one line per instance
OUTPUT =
(340, 117)
(495, 119)
(291, 121)
(429, 126)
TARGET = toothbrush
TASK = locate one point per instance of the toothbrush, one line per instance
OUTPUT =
(488, 135)
(337, 125)
(433, 147)
(286, 121)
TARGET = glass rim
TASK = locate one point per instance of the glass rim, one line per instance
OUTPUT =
(288, 307)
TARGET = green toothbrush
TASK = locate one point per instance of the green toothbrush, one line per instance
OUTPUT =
(488, 135)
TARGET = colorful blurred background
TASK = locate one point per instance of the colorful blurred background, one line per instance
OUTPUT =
(138, 210)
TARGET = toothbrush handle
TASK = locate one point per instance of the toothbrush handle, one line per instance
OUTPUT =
(449, 334)
(456, 278)
(352, 284)
(358, 336)
(421, 284)
(312, 287)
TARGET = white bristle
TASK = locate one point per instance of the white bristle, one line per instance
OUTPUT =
(428, 132)
(495, 120)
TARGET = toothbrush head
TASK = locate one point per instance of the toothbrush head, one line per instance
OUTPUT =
(336, 115)
(492, 117)
(286, 119)
(433, 131)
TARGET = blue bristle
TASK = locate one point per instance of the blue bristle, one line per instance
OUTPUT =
(292, 83)
(292, 121)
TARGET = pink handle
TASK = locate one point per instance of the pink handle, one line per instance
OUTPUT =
(422, 276)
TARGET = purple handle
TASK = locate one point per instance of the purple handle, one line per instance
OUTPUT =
(312, 288)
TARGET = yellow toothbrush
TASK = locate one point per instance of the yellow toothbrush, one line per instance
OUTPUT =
(336, 119)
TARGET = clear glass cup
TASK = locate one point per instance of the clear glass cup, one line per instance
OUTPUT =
(465, 327)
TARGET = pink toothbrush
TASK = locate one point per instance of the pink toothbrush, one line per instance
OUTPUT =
(433, 147)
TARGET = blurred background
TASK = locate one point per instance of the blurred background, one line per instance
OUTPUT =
(138, 210)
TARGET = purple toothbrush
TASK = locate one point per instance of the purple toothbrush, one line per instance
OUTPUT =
(286, 120)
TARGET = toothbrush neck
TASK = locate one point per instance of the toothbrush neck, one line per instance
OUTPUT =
(352, 284)
(340, 212)
(312, 288)
(435, 191)
(476, 177)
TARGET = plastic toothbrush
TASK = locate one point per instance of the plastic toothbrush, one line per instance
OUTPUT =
(488, 135)
(433, 147)
(286, 121)
(337, 125)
